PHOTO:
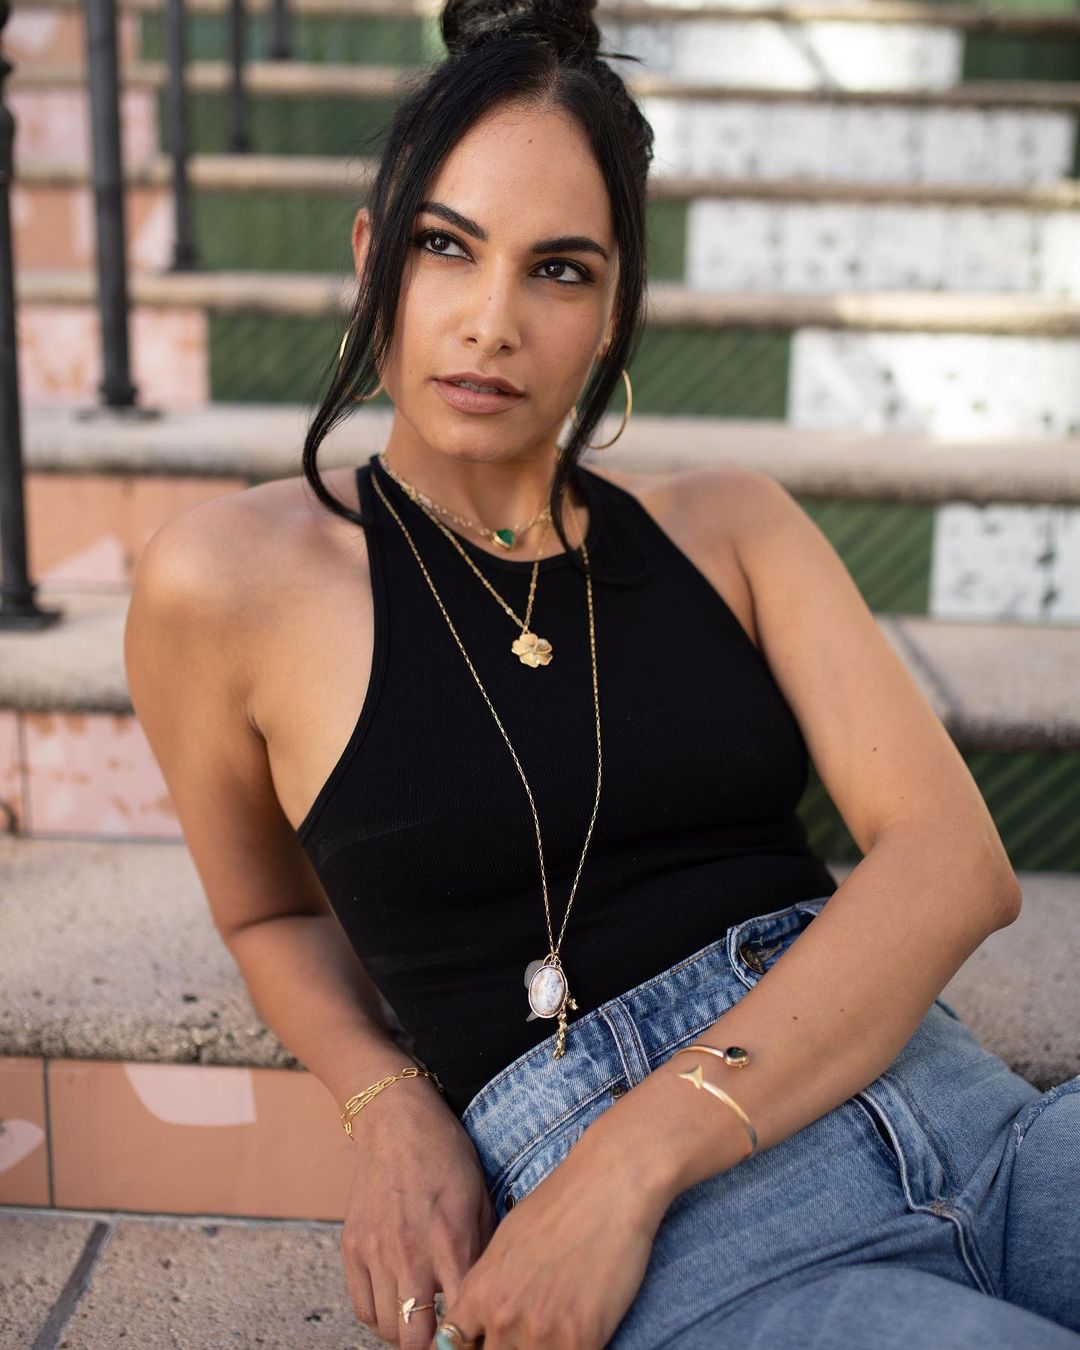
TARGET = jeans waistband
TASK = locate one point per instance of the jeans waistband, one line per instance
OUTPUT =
(625, 1037)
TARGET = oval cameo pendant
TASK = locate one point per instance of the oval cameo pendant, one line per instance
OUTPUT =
(547, 990)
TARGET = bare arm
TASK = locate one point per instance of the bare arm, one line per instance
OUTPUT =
(418, 1212)
(843, 1000)
(186, 630)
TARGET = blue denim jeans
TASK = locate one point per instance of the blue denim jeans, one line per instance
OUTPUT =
(938, 1207)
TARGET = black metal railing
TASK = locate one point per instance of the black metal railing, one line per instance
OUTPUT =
(18, 608)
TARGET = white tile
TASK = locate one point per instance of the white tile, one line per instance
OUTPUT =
(729, 139)
(824, 246)
(887, 56)
(990, 249)
(1005, 561)
(956, 146)
(904, 248)
(1029, 145)
(733, 245)
(797, 139)
(652, 43)
(875, 145)
(1067, 563)
(672, 125)
(944, 384)
(1058, 251)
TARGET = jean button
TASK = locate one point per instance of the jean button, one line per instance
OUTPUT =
(619, 1089)
(751, 958)
(510, 1199)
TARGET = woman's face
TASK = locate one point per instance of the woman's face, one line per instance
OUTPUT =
(496, 305)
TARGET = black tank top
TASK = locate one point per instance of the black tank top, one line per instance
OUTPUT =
(423, 836)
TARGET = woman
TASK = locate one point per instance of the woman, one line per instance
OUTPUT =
(488, 700)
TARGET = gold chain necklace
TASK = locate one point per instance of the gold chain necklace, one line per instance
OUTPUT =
(530, 649)
(549, 991)
(505, 538)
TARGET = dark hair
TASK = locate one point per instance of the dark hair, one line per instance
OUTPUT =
(500, 52)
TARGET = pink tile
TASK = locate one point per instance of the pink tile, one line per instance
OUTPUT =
(94, 774)
(11, 774)
(24, 1170)
(58, 38)
(60, 355)
(54, 226)
(52, 126)
(89, 529)
(197, 1139)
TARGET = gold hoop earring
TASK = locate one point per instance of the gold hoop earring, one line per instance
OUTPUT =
(340, 355)
(626, 415)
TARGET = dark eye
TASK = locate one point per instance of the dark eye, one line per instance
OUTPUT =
(422, 240)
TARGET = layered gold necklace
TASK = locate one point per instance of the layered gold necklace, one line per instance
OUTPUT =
(549, 990)
(530, 649)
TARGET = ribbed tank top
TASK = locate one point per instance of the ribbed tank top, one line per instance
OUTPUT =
(423, 836)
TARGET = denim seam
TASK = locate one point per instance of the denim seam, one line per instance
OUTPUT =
(1048, 1098)
(539, 1140)
(930, 1138)
(974, 1261)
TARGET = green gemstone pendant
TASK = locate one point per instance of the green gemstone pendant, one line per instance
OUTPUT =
(505, 537)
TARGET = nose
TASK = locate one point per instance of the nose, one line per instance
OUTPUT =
(492, 323)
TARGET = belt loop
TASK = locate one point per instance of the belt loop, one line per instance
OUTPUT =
(628, 1040)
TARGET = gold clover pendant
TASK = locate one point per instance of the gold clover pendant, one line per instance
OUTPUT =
(532, 650)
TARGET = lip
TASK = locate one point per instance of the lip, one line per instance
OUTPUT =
(471, 375)
(468, 400)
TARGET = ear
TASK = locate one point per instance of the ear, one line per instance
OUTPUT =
(361, 238)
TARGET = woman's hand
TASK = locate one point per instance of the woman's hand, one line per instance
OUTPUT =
(565, 1263)
(418, 1212)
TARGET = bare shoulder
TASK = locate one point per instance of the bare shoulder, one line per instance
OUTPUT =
(703, 511)
(232, 561)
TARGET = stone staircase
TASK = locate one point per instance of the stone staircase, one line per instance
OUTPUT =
(865, 258)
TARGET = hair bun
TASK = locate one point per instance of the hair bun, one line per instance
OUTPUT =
(566, 25)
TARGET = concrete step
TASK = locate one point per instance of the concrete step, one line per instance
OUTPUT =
(323, 79)
(712, 233)
(213, 1116)
(963, 17)
(961, 530)
(330, 176)
(257, 442)
(313, 295)
(96, 1278)
(998, 132)
(995, 686)
(109, 953)
(959, 365)
(74, 762)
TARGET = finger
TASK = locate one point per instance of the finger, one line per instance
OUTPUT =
(419, 1331)
(358, 1283)
(454, 1253)
(388, 1322)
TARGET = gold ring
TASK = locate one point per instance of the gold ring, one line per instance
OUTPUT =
(410, 1306)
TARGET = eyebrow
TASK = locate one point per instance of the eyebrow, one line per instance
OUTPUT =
(560, 243)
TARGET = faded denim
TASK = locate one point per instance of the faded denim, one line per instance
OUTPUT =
(937, 1208)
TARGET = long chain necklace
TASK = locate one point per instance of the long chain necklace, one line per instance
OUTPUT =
(530, 649)
(549, 990)
(505, 538)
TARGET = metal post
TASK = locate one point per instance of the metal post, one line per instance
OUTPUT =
(116, 388)
(17, 606)
(184, 256)
(280, 46)
(238, 128)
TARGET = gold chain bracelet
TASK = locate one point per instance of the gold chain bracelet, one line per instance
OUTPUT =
(361, 1099)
